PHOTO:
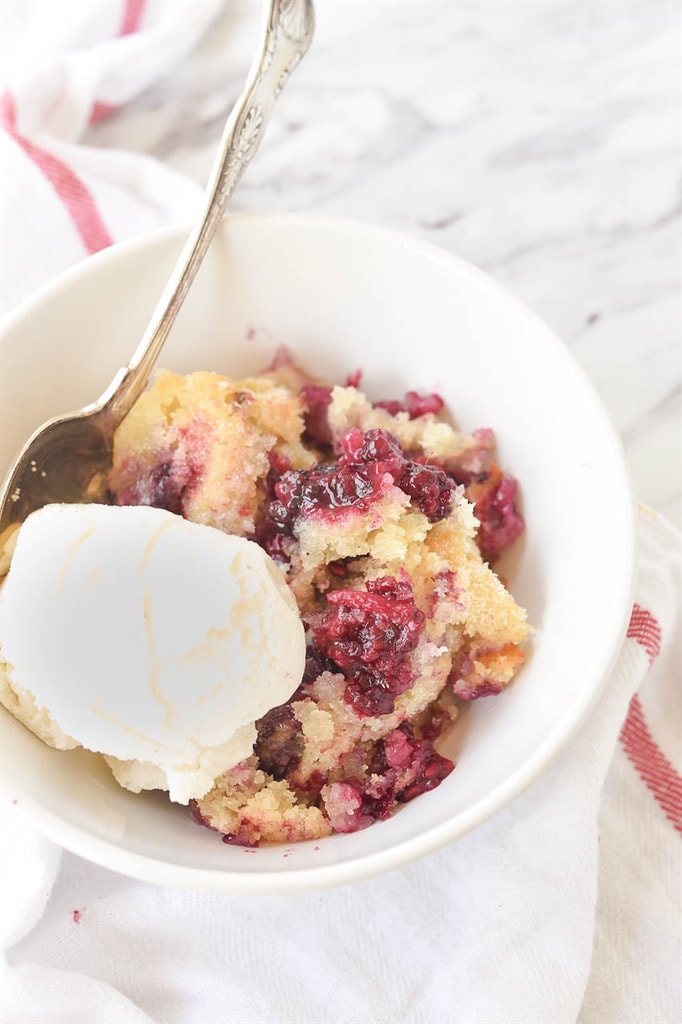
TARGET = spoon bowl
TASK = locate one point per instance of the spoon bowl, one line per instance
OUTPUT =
(66, 460)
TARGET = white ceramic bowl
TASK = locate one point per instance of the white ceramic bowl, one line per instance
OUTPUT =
(344, 295)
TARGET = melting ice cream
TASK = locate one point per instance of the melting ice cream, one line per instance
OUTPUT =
(152, 640)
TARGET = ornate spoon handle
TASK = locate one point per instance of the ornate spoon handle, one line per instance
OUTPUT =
(285, 36)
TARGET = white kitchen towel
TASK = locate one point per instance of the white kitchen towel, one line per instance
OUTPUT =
(66, 65)
(563, 908)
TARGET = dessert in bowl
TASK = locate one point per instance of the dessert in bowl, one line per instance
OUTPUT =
(342, 296)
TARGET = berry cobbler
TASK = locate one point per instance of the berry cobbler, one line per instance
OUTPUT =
(384, 521)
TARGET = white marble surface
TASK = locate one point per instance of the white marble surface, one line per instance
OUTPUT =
(539, 139)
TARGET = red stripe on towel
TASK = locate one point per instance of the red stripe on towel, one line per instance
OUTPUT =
(100, 111)
(651, 764)
(132, 16)
(644, 628)
(74, 194)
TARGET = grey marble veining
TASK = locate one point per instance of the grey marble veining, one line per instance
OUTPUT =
(539, 139)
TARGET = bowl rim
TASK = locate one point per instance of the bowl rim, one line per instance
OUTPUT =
(106, 853)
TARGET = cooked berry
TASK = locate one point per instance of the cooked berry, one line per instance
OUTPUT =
(402, 768)
(373, 447)
(397, 749)
(430, 768)
(315, 664)
(493, 495)
(369, 693)
(350, 805)
(167, 488)
(267, 533)
(317, 400)
(501, 523)
(370, 625)
(431, 488)
(279, 464)
(368, 634)
(413, 765)
(369, 462)
(302, 493)
(420, 405)
(280, 741)
(413, 404)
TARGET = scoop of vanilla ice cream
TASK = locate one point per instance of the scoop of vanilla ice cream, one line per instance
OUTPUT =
(152, 640)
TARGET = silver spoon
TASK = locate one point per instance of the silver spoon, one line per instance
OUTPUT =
(67, 458)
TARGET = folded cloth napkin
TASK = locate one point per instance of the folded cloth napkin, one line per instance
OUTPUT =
(562, 908)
